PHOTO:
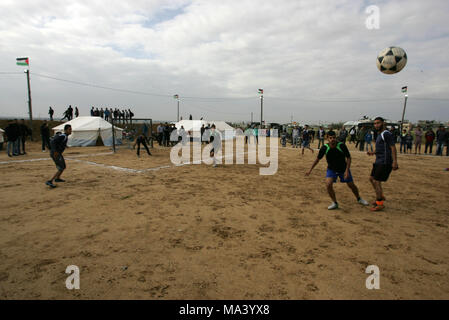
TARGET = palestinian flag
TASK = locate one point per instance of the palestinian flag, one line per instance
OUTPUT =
(23, 61)
(404, 89)
(260, 91)
(176, 96)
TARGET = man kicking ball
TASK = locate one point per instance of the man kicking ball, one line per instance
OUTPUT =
(57, 147)
(338, 165)
(386, 161)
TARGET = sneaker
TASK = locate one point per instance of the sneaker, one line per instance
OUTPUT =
(59, 180)
(374, 203)
(50, 184)
(333, 206)
(363, 201)
(377, 208)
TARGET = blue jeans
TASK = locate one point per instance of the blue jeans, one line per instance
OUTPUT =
(440, 147)
(12, 147)
(320, 142)
(403, 144)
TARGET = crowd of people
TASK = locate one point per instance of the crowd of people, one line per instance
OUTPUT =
(124, 116)
(363, 137)
(16, 133)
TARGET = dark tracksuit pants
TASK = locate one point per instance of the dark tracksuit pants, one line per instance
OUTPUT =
(45, 142)
(144, 144)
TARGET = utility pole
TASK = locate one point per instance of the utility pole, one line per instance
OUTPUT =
(251, 117)
(26, 62)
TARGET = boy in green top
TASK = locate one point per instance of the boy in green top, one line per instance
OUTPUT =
(339, 163)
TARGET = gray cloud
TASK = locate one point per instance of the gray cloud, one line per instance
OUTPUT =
(303, 53)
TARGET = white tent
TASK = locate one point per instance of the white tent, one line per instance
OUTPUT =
(226, 130)
(85, 132)
(351, 124)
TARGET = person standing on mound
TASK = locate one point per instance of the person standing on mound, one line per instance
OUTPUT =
(57, 147)
(338, 165)
(386, 161)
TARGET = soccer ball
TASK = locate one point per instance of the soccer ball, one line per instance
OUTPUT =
(391, 60)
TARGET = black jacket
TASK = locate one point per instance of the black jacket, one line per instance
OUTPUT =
(12, 132)
(45, 131)
(24, 130)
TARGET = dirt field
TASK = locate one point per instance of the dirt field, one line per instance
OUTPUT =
(197, 232)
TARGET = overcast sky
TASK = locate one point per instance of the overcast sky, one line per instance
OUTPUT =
(308, 56)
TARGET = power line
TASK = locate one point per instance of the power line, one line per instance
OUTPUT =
(221, 99)
(139, 92)
(101, 87)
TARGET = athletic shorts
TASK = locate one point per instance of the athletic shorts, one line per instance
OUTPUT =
(305, 144)
(381, 172)
(333, 174)
(59, 161)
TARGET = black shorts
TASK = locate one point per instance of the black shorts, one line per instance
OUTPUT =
(381, 172)
(59, 161)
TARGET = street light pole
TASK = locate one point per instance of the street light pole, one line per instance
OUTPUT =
(176, 96)
(404, 89)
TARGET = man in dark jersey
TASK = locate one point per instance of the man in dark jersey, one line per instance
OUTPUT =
(306, 136)
(57, 147)
(386, 161)
(338, 165)
(141, 139)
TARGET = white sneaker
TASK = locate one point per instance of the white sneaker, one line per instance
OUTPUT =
(362, 201)
(333, 206)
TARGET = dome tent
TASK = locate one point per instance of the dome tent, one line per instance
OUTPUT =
(85, 132)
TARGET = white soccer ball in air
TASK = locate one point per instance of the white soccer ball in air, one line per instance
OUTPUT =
(391, 60)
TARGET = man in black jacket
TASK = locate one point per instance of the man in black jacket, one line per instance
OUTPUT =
(57, 147)
(45, 135)
(12, 135)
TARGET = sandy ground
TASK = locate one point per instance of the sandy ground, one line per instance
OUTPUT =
(197, 232)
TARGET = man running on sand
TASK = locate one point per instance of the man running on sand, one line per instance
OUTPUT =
(57, 147)
(338, 165)
(386, 161)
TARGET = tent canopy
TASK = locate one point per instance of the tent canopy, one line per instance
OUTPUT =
(195, 125)
(351, 123)
(85, 132)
